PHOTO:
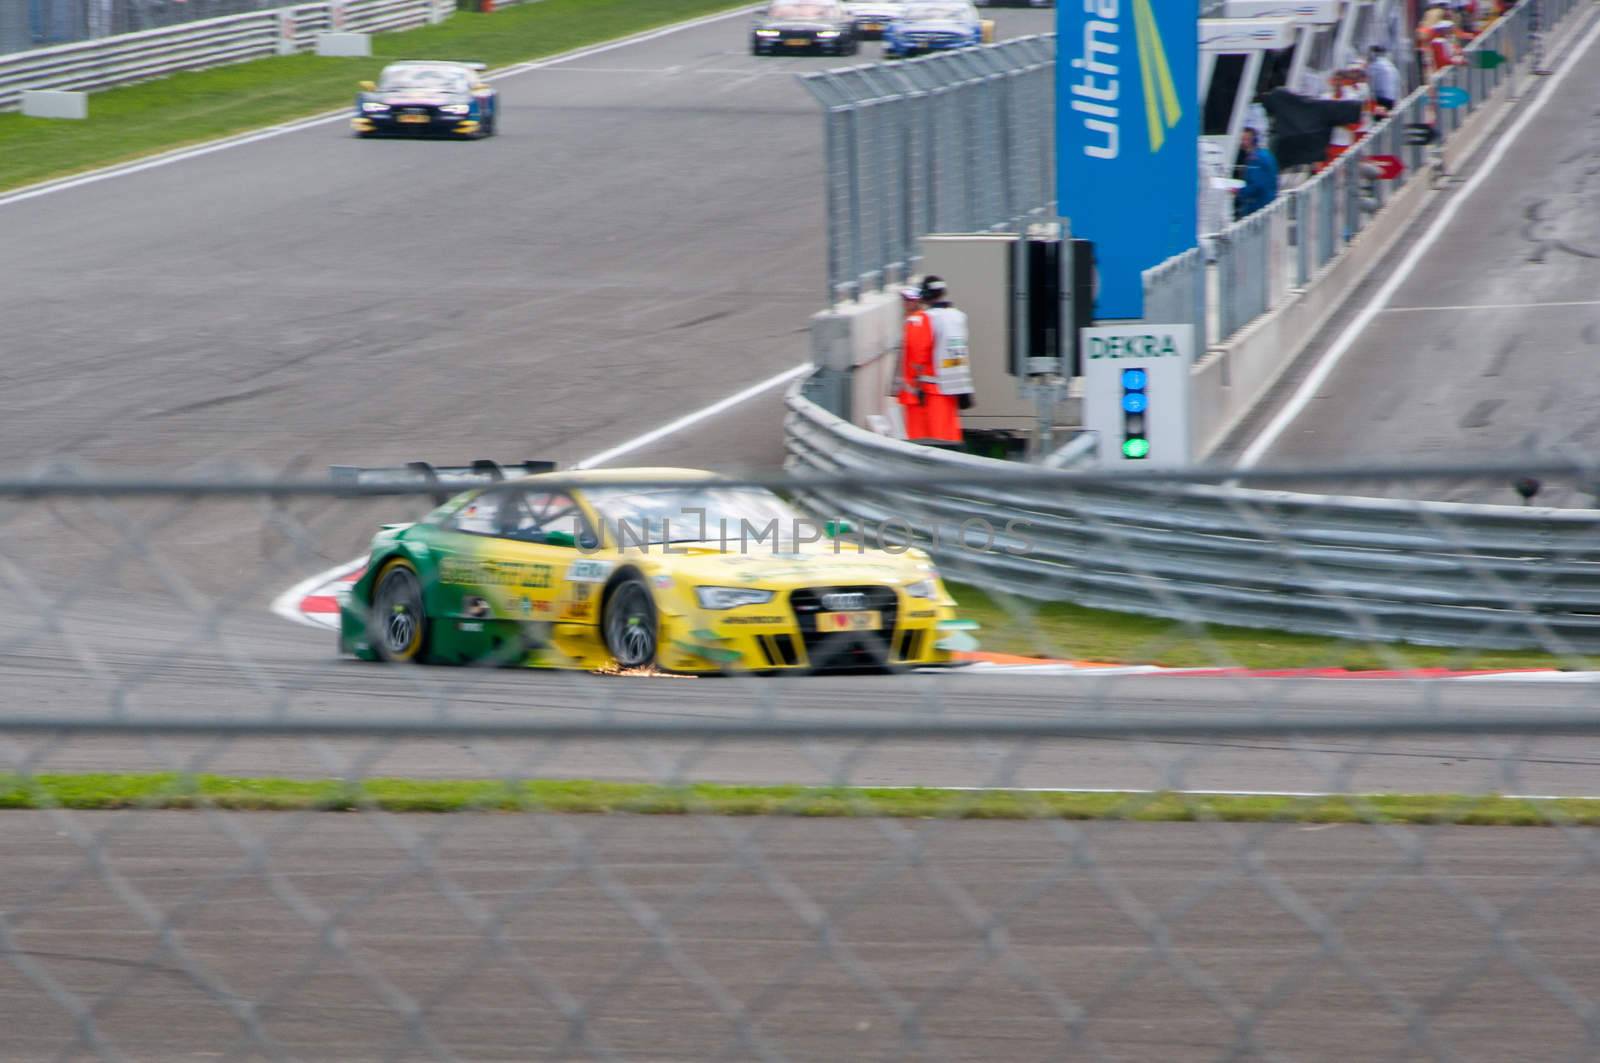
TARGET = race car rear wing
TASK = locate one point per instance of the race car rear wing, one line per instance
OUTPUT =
(458, 477)
(451, 62)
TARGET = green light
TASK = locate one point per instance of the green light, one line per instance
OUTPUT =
(1135, 448)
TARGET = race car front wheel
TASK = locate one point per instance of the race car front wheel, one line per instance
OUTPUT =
(399, 624)
(630, 625)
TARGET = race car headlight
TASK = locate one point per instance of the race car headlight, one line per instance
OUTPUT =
(730, 597)
(455, 108)
(827, 33)
(923, 588)
(373, 107)
(766, 33)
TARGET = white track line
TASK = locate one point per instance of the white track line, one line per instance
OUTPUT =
(690, 420)
(1334, 354)
(287, 604)
(1488, 306)
(239, 140)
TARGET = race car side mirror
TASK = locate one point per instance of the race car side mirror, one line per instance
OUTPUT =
(369, 86)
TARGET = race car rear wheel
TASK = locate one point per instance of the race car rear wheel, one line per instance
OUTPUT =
(399, 625)
(630, 625)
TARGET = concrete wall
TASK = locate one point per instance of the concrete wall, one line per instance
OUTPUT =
(862, 339)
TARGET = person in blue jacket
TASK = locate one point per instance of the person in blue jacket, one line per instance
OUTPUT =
(1260, 176)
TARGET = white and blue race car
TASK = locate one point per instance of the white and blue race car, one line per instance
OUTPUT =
(427, 97)
(935, 26)
(872, 17)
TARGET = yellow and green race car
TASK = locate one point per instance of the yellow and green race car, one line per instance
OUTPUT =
(687, 573)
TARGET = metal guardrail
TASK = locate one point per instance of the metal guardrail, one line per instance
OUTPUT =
(943, 143)
(1377, 569)
(130, 57)
(41, 23)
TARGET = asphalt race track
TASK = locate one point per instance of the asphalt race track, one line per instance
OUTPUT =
(643, 239)
(1484, 350)
(253, 666)
(620, 255)
(1330, 948)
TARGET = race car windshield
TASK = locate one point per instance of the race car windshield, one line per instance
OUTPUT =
(937, 12)
(426, 79)
(655, 516)
(802, 11)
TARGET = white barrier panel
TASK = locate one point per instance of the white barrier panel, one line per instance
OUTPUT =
(357, 45)
(52, 103)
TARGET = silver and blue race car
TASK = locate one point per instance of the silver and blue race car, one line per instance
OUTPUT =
(427, 97)
(935, 26)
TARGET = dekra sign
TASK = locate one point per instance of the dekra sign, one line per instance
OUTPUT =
(1149, 346)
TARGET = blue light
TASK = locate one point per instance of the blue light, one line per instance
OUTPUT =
(1135, 379)
(1135, 402)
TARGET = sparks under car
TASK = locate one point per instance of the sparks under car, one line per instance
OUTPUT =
(686, 574)
(426, 97)
(804, 26)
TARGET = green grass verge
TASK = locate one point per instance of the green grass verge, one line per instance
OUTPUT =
(188, 108)
(174, 791)
(1060, 629)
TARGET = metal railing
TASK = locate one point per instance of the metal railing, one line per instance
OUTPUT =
(1175, 292)
(1262, 258)
(1373, 568)
(958, 142)
(131, 57)
(40, 23)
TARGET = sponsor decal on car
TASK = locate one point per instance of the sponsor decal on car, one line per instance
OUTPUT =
(588, 571)
(753, 620)
(490, 573)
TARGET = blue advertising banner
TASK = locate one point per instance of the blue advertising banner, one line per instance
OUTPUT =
(1127, 136)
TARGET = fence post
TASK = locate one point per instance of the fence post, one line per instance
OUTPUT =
(853, 169)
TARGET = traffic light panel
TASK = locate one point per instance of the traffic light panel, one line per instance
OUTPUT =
(1135, 406)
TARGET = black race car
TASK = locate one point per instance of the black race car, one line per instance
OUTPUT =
(804, 26)
(427, 97)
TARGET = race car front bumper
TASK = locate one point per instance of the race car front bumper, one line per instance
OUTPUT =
(904, 49)
(442, 125)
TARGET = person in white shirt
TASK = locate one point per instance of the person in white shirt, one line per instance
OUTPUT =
(1384, 77)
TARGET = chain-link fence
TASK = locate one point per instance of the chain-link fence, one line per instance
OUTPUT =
(957, 142)
(223, 839)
